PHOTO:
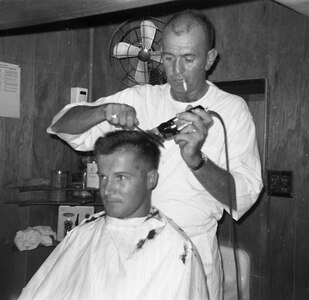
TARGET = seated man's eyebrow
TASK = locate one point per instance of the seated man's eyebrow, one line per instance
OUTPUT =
(101, 175)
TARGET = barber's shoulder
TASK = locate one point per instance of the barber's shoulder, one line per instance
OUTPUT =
(227, 99)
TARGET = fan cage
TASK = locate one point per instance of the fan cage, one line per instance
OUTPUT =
(125, 68)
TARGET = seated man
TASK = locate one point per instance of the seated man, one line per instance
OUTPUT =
(130, 250)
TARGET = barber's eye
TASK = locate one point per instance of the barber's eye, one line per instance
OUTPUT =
(167, 57)
(189, 59)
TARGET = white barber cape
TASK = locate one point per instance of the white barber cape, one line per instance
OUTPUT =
(109, 258)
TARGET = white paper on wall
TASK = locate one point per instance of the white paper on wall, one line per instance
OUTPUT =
(9, 90)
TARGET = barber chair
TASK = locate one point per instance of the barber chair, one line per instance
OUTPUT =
(229, 271)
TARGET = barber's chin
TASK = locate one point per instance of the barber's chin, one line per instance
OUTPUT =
(177, 87)
(179, 95)
(177, 83)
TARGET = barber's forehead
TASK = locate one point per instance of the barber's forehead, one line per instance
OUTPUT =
(183, 23)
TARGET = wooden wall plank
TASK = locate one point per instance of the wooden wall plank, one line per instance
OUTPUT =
(301, 236)
(286, 139)
(105, 80)
(241, 37)
(278, 50)
(52, 60)
(16, 162)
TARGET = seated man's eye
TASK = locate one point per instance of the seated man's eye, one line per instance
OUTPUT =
(120, 177)
(102, 177)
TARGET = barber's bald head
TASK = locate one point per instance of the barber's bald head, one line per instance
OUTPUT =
(185, 22)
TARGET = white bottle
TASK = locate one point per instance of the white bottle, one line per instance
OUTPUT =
(92, 175)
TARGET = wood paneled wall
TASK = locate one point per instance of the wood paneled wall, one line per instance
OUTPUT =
(255, 39)
(52, 60)
(264, 39)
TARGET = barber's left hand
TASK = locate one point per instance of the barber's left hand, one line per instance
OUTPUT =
(192, 137)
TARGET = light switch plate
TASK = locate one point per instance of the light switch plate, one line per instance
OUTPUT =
(79, 94)
(71, 216)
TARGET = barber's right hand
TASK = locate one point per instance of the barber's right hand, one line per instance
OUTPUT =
(121, 115)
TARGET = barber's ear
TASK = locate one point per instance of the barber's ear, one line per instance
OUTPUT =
(152, 179)
(211, 58)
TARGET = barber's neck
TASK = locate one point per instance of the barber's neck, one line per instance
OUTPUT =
(189, 95)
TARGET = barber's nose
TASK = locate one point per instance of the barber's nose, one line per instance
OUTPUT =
(178, 67)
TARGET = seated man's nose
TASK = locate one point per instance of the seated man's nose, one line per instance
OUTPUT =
(109, 189)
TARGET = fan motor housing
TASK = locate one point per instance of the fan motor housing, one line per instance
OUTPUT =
(144, 55)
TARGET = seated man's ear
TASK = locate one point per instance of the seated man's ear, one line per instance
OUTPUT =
(152, 179)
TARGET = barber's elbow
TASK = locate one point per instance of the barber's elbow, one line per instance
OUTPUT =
(56, 127)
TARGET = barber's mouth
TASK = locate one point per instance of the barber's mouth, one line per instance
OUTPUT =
(178, 82)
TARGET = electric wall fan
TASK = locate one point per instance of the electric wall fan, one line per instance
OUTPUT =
(135, 52)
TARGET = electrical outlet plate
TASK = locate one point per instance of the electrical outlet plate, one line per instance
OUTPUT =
(280, 183)
(72, 215)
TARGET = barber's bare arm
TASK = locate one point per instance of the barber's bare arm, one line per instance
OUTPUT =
(190, 140)
(81, 118)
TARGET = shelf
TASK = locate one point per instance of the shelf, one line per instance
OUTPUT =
(11, 244)
(47, 195)
(75, 202)
(34, 188)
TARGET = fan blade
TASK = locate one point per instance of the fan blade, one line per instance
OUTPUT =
(141, 74)
(148, 31)
(156, 56)
(123, 50)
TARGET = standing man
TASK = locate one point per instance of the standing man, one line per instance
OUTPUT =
(192, 188)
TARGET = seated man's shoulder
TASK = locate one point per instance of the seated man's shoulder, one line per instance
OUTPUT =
(178, 242)
(88, 223)
(94, 218)
(174, 230)
(174, 226)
